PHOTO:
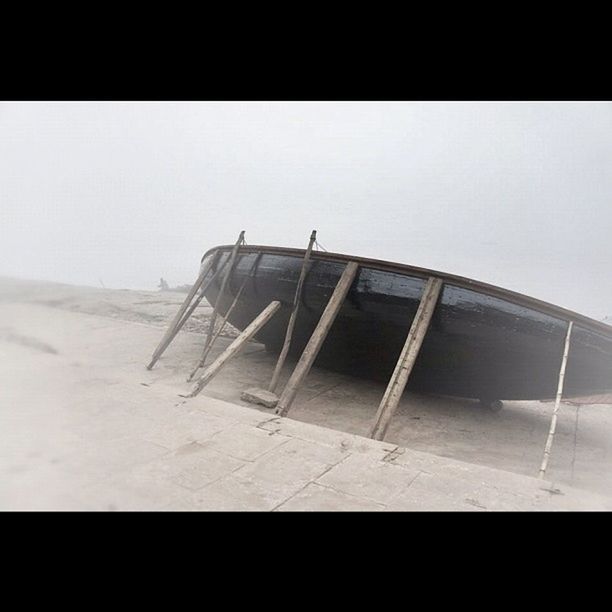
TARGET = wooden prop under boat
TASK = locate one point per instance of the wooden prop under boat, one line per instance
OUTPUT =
(483, 342)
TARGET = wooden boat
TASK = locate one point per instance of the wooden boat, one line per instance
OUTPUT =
(483, 342)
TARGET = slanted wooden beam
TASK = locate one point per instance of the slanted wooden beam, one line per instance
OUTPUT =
(235, 347)
(213, 317)
(200, 297)
(296, 306)
(553, 422)
(178, 320)
(202, 361)
(316, 340)
(407, 358)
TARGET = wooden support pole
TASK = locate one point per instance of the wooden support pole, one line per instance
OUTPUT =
(200, 363)
(200, 297)
(407, 358)
(316, 340)
(296, 306)
(553, 422)
(235, 347)
(213, 317)
(178, 320)
(173, 330)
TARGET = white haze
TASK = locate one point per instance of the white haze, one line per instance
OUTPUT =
(518, 195)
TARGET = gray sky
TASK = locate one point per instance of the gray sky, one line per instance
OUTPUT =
(518, 195)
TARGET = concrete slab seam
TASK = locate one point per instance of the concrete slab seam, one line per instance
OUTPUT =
(312, 481)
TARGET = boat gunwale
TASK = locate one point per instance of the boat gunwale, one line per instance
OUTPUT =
(459, 281)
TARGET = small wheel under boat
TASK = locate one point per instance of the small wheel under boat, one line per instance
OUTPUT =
(492, 405)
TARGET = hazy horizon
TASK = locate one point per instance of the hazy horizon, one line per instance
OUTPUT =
(121, 194)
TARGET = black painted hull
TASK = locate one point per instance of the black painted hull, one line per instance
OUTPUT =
(483, 341)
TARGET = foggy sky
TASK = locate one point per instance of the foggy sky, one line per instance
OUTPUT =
(518, 195)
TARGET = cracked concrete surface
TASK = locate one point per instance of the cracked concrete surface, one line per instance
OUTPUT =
(88, 428)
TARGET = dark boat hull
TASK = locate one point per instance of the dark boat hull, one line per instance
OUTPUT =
(483, 341)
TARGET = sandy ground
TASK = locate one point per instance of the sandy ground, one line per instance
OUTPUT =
(82, 419)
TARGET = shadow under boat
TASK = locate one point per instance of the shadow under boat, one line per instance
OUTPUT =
(483, 341)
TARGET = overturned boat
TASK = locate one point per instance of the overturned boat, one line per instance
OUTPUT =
(483, 341)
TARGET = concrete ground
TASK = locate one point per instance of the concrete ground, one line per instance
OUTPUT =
(83, 425)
